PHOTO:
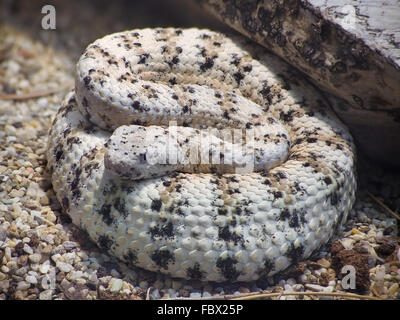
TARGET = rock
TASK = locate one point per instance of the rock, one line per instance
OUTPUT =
(23, 285)
(35, 258)
(393, 290)
(314, 287)
(4, 285)
(28, 249)
(69, 245)
(64, 267)
(115, 285)
(143, 284)
(21, 271)
(44, 267)
(46, 295)
(3, 233)
(298, 287)
(31, 279)
(195, 295)
(155, 294)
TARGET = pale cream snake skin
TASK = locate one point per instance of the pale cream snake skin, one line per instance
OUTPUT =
(205, 224)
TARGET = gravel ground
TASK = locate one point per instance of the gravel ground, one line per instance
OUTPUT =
(43, 256)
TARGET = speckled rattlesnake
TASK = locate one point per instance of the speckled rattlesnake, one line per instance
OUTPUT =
(207, 225)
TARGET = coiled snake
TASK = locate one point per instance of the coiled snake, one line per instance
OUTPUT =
(203, 220)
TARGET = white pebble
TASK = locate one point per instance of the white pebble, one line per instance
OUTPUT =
(73, 275)
(68, 245)
(35, 266)
(83, 255)
(5, 284)
(7, 253)
(35, 257)
(64, 267)
(69, 257)
(172, 293)
(303, 278)
(13, 67)
(22, 285)
(115, 285)
(5, 269)
(80, 281)
(31, 279)
(298, 287)
(56, 257)
(33, 273)
(93, 278)
(380, 273)
(105, 280)
(155, 294)
(42, 102)
(315, 287)
(46, 295)
(195, 295)
(288, 287)
(347, 243)
(44, 267)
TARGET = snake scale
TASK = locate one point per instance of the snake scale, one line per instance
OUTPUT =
(208, 220)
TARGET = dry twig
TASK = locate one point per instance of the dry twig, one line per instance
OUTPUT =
(384, 206)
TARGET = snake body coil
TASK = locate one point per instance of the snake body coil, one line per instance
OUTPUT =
(199, 221)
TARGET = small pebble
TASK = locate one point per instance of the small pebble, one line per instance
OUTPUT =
(5, 269)
(69, 245)
(115, 285)
(105, 280)
(64, 267)
(31, 279)
(155, 294)
(393, 289)
(44, 267)
(298, 287)
(195, 295)
(7, 253)
(36, 257)
(46, 294)
(314, 287)
(22, 285)
(21, 271)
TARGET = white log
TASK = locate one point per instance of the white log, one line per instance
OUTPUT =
(350, 49)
